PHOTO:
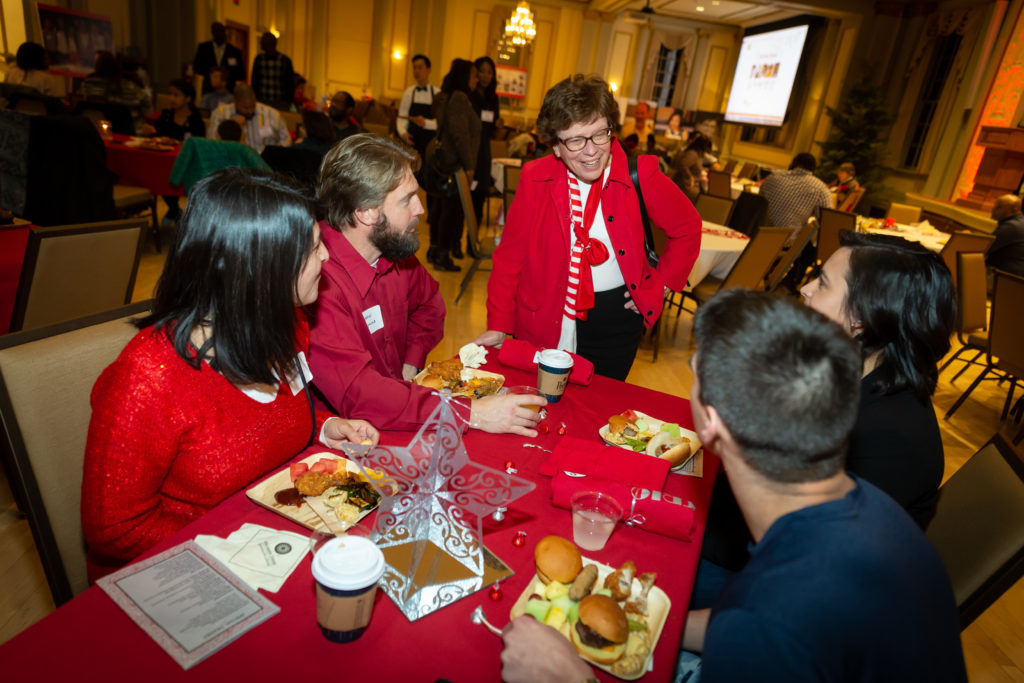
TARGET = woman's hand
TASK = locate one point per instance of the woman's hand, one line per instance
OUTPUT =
(506, 413)
(338, 431)
(490, 338)
(630, 304)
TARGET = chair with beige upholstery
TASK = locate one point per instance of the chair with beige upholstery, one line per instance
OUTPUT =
(1004, 354)
(971, 309)
(720, 184)
(71, 271)
(832, 223)
(961, 241)
(750, 268)
(786, 259)
(130, 200)
(714, 209)
(729, 166)
(46, 377)
(852, 199)
(904, 213)
(483, 247)
(511, 179)
(978, 527)
(747, 171)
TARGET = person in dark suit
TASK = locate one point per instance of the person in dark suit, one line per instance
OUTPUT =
(218, 52)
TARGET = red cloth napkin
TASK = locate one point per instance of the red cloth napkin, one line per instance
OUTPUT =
(517, 353)
(651, 510)
(596, 459)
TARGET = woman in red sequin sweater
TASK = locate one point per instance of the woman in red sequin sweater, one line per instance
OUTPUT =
(194, 409)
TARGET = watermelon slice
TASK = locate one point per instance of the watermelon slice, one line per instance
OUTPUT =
(297, 469)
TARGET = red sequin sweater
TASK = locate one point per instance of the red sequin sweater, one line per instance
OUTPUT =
(168, 442)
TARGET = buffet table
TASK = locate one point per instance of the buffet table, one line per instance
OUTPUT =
(90, 638)
(142, 167)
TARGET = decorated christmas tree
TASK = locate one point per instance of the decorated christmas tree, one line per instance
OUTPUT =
(860, 127)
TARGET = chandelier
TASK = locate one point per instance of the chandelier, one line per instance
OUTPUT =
(520, 29)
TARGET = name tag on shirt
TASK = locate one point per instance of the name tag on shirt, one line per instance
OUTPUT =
(266, 131)
(374, 319)
(232, 61)
(296, 383)
(487, 116)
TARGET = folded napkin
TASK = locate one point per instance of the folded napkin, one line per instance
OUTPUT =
(594, 458)
(517, 353)
(651, 510)
(260, 556)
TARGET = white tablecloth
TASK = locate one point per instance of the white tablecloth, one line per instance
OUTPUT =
(737, 188)
(498, 170)
(923, 232)
(720, 248)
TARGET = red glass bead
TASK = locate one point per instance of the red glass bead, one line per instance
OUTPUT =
(495, 593)
(510, 467)
(519, 540)
(543, 428)
(561, 429)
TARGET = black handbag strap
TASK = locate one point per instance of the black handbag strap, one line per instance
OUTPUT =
(635, 175)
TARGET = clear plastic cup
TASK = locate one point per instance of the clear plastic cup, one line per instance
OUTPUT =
(594, 516)
(523, 391)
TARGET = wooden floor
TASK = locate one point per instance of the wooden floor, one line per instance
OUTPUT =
(993, 645)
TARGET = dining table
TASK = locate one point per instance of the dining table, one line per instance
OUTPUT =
(737, 187)
(924, 232)
(720, 248)
(140, 167)
(498, 170)
(91, 638)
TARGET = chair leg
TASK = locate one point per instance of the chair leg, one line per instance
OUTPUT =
(155, 229)
(656, 336)
(1009, 399)
(967, 364)
(963, 396)
(469, 276)
(952, 358)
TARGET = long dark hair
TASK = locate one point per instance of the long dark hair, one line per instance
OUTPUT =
(242, 241)
(457, 77)
(902, 295)
(490, 91)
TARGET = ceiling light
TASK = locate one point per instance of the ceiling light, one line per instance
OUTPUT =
(700, 8)
(519, 28)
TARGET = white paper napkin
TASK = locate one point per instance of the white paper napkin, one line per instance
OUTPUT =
(260, 556)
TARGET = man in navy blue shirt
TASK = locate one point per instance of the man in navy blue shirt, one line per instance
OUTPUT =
(842, 585)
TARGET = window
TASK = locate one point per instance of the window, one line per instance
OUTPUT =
(665, 76)
(931, 91)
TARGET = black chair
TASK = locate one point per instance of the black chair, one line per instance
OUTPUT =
(749, 213)
(978, 527)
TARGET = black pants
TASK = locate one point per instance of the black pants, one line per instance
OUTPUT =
(610, 335)
(446, 232)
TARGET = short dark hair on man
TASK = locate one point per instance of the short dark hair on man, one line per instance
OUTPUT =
(576, 99)
(426, 59)
(902, 294)
(784, 379)
(358, 173)
(243, 240)
(804, 160)
(31, 57)
(229, 130)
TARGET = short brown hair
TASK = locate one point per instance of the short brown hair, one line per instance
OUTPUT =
(577, 99)
(358, 173)
(848, 168)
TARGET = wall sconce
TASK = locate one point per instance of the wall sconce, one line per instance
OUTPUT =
(274, 31)
(614, 86)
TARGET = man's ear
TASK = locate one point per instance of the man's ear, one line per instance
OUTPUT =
(367, 217)
(714, 430)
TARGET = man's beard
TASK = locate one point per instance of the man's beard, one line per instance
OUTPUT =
(394, 246)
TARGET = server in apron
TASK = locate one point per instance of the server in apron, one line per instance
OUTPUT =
(417, 126)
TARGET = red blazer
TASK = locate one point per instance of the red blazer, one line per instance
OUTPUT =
(526, 291)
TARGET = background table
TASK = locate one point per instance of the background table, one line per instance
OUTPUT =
(924, 233)
(720, 248)
(142, 167)
(92, 639)
(498, 170)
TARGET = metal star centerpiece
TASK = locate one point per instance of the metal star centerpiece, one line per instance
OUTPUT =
(433, 502)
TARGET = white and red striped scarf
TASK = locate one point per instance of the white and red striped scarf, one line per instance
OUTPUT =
(579, 297)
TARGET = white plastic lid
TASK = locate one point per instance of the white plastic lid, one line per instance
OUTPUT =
(348, 563)
(555, 358)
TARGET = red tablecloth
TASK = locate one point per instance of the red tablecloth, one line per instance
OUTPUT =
(90, 638)
(13, 240)
(142, 167)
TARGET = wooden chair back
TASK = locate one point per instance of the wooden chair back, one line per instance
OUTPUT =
(45, 373)
(904, 213)
(720, 184)
(961, 241)
(729, 166)
(747, 171)
(788, 257)
(714, 209)
(756, 259)
(832, 223)
(72, 271)
(971, 294)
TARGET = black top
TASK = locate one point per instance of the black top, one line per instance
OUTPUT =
(206, 58)
(166, 127)
(1007, 252)
(895, 444)
(848, 590)
(481, 103)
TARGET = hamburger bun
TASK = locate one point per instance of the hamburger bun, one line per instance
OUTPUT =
(558, 559)
(432, 382)
(617, 424)
(672, 448)
(602, 615)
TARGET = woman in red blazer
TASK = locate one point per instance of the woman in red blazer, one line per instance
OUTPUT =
(571, 271)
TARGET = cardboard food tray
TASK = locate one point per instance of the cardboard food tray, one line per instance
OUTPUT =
(418, 379)
(658, 606)
(692, 465)
(306, 515)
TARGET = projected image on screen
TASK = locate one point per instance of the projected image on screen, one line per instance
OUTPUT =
(764, 76)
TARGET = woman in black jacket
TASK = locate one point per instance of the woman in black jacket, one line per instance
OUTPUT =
(459, 128)
(485, 103)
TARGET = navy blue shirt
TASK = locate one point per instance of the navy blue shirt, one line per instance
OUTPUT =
(1007, 251)
(850, 590)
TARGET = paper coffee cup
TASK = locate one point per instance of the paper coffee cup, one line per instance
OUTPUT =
(346, 569)
(553, 366)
